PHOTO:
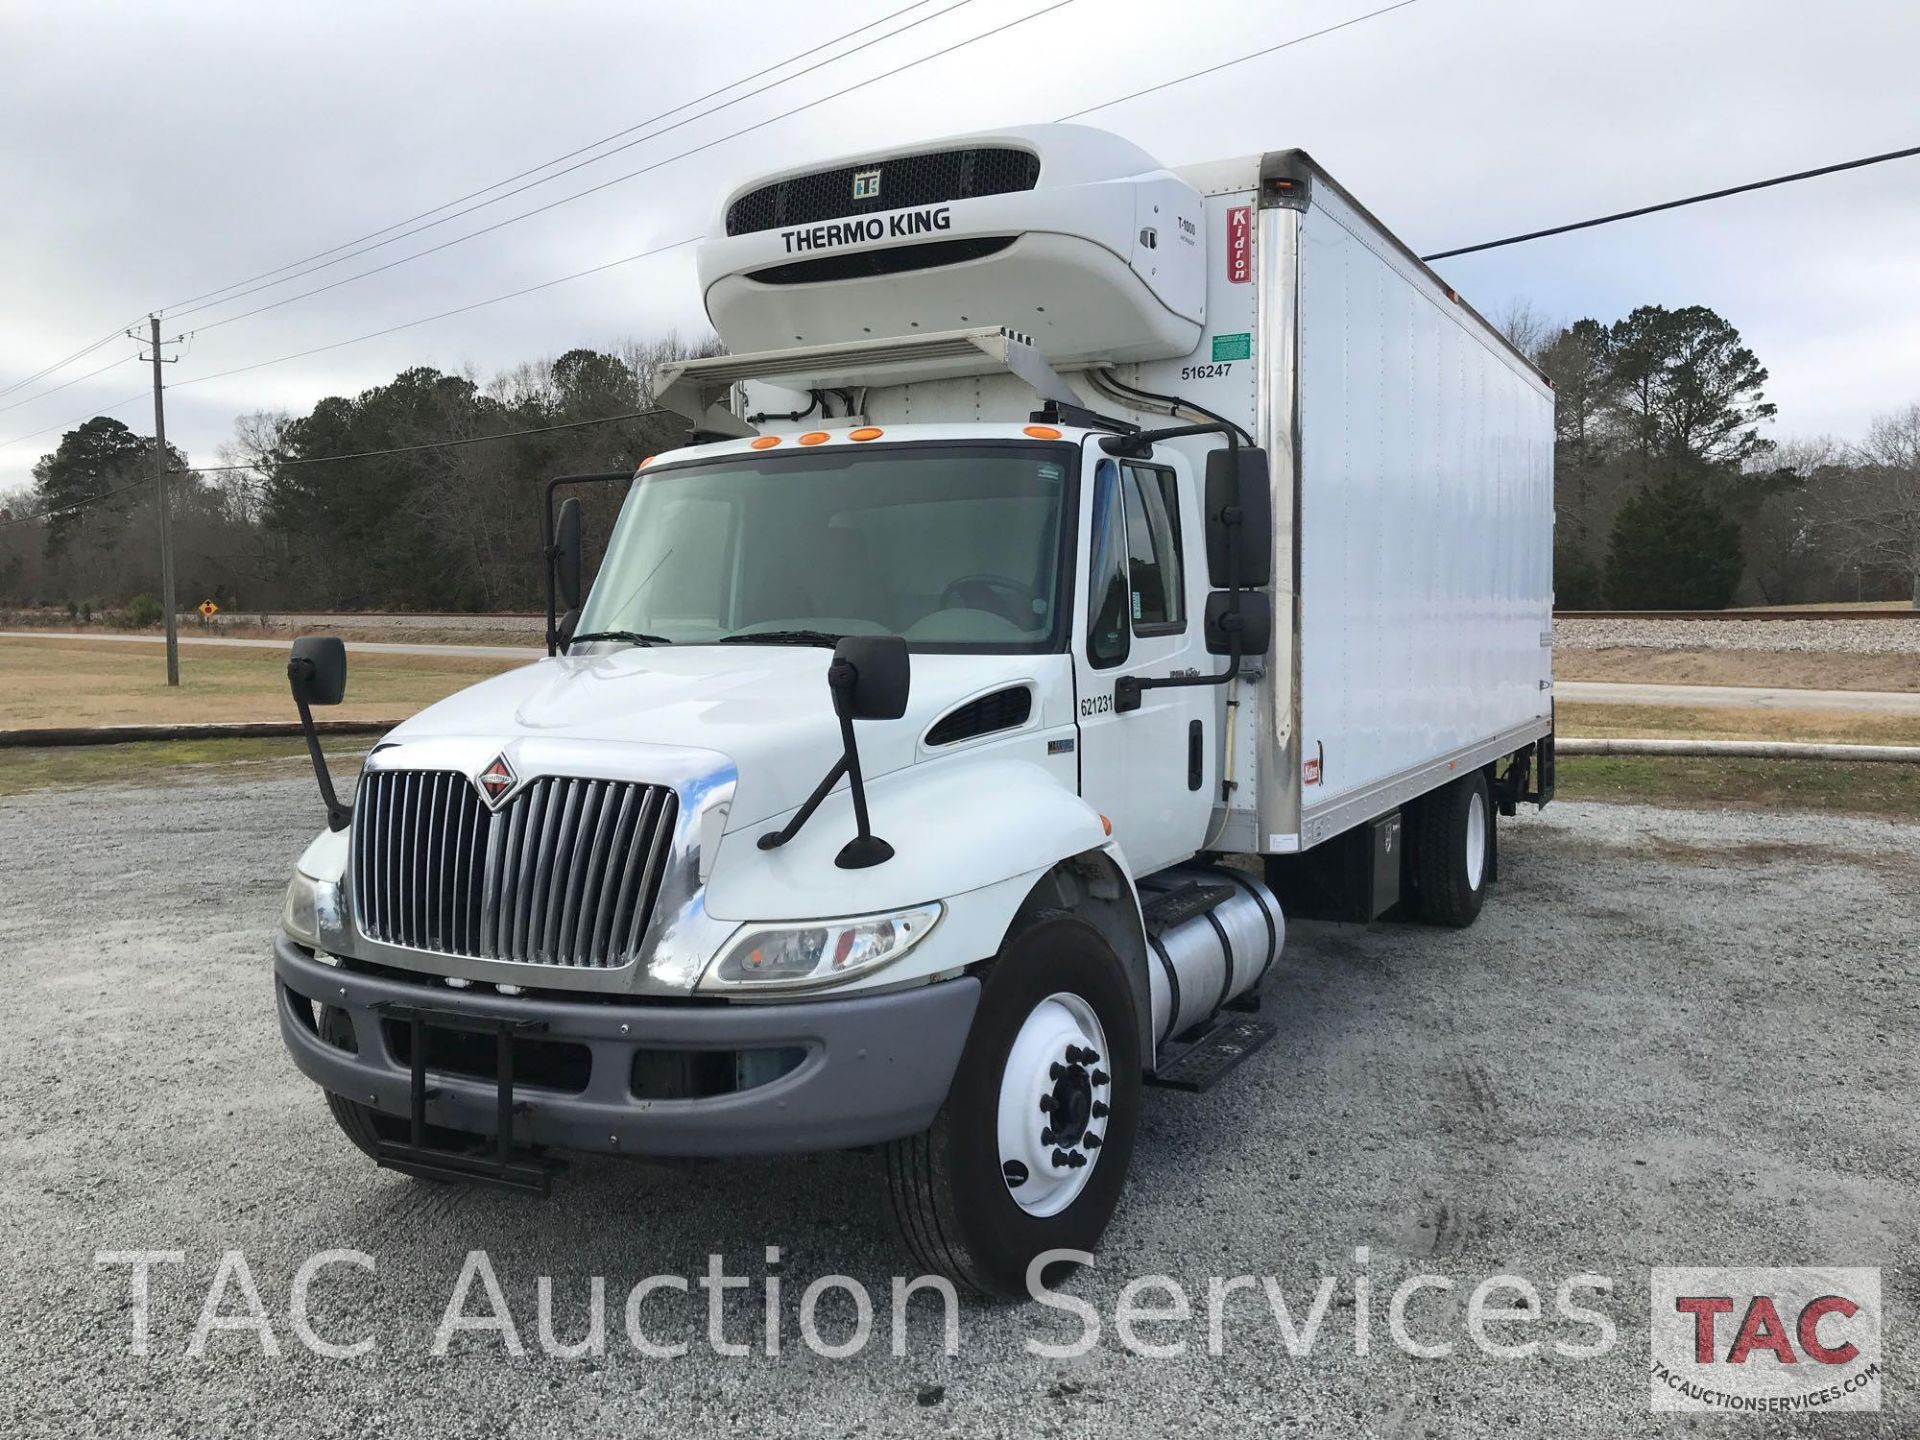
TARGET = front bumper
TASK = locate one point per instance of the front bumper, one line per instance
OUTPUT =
(875, 1067)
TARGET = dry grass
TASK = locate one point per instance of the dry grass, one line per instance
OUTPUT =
(1787, 669)
(1739, 783)
(1724, 722)
(92, 682)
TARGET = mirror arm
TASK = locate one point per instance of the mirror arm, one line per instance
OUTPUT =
(774, 839)
(339, 816)
(866, 848)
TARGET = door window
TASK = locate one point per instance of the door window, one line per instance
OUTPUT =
(1153, 551)
(1108, 588)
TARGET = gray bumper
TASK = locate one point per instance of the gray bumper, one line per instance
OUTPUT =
(875, 1068)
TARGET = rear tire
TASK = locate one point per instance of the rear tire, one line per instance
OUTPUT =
(977, 1196)
(1453, 851)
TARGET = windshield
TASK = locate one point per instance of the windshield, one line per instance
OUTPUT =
(954, 547)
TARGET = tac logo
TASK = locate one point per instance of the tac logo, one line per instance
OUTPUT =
(496, 780)
(1766, 1341)
(866, 184)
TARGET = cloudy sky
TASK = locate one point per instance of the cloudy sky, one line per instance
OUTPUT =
(152, 153)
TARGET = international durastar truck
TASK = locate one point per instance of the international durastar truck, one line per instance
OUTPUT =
(1078, 565)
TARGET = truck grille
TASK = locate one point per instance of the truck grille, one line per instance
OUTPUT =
(565, 873)
(904, 181)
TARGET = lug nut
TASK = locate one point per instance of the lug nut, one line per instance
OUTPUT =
(1056, 1070)
(1061, 1159)
(1073, 1054)
(1076, 1160)
(1099, 1109)
(1090, 1140)
(1046, 1104)
(1046, 1137)
(1100, 1077)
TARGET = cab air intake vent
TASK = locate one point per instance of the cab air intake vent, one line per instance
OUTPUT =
(881, 185)
(1002, 710)
(860, 264)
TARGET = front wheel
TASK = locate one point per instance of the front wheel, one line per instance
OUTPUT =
(1031, 1150)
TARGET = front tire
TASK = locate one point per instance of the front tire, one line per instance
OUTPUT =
(1031, 1150)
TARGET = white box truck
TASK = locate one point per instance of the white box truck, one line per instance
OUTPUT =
(1077, 566)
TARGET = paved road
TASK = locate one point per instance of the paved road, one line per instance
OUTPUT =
(1874, 702)
(1672, 1038)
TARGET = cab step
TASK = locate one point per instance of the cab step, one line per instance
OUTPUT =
(1202, 1063)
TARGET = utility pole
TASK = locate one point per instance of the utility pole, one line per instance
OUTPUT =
(160, 479)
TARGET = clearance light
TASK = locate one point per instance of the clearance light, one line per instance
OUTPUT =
(765, 442)
(814, 437)
(1042, 432)
(865, 432)
(646, 462)
(1106, 824)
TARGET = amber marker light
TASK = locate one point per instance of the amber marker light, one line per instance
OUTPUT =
(765, 442)
(814, 437)
(1042, 432)
(866, 432)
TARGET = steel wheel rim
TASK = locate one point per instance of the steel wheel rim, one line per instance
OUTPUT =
(1476, 840)
(1055, 1099)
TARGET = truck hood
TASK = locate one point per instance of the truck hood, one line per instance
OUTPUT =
(766, 708)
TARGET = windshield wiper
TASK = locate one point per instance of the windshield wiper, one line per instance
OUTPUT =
(632, 637)
(781, 637)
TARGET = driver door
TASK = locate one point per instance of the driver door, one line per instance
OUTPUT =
(1150, 771)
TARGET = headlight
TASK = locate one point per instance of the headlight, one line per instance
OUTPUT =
(312, 909)
(794, 957)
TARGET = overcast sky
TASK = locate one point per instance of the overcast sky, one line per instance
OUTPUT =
(151, 152)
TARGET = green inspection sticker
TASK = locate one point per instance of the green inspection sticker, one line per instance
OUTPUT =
(1233, 347)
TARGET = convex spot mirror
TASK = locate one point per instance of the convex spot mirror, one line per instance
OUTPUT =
(1254, 621)
(318, 669)
(1238, 479)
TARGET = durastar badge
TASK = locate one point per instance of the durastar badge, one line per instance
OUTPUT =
(866, 184)
(496, 781)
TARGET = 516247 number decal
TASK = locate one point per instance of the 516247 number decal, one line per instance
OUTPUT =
(1205, 372)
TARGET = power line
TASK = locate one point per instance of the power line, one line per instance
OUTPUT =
(73, 424)
(535, 184)
(1239, 60)
(581, 150)
(643, 170)
(117, 360)
(79, 354)
(333, 459)
(1676, 204)
(442, 315)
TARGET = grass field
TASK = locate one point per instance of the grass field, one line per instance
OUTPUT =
(1728, 722)
(91, 682)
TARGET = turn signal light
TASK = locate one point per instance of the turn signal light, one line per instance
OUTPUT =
(865, 432)
(765, 442)
(1042, 432)
(1106, 824)
(814, 437)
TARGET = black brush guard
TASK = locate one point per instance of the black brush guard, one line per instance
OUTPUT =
(502, 1164)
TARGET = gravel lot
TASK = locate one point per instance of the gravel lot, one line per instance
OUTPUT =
(1847, 637)
(1673, 1038)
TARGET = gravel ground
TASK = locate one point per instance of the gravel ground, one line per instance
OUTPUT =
(1850, 637)
(1673, 1038)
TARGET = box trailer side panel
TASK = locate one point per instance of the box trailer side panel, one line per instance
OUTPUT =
(1425, 524)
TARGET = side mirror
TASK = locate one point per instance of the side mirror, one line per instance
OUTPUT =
(317, 669)
(1239, 504)
(870, 676)
(1252, 618)
(566, 554)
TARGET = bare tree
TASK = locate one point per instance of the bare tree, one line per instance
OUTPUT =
(1879, 509)
(1528, 329)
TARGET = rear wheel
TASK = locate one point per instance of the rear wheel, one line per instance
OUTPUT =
(1031, 1150)
(1453, 851)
